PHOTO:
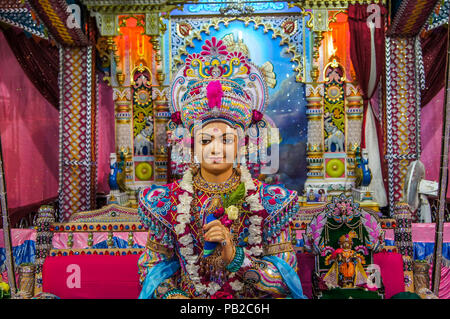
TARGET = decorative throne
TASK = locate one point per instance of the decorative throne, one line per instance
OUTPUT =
(343, 238)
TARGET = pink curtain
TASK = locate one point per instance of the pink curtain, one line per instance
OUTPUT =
(29, 135)
(434, 51)
(39, 60)
(106, 136)
(431, 137)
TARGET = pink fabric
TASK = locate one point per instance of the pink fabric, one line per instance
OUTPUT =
(92, 277)
(422, 233)
(306, 265)
(106, 135)
(18, 236)
(391, 267)
(425, 233)
(389, 234)
(431, 137)
(80, 239)
(29, 134)
(444, 285)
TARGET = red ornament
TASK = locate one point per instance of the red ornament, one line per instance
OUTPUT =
(256, 116)
(176, 117)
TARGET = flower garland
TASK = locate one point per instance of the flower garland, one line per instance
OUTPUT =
(186, 238)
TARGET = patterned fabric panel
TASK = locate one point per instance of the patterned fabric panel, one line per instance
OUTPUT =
(275, 198)
(160, 202)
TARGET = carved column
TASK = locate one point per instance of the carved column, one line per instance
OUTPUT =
(354, 124)
(315, 134)
(162, 117)
(124, 126)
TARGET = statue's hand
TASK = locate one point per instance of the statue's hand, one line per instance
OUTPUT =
(218, 233)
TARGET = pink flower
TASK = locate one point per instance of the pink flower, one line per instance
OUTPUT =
(225, 293)
(194, 56)
(214, 47)
(222, 295)
(225, 221)
(214, 94)
(176, 117)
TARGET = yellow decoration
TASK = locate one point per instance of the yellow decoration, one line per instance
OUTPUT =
(144, 171)
(335, 168)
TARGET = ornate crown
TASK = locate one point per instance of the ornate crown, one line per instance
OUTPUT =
(218, 85)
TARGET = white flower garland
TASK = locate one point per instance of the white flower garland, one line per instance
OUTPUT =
(186, 240)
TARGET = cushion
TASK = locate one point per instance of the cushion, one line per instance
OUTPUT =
(92, 277)
(306, 264)
(391, 268)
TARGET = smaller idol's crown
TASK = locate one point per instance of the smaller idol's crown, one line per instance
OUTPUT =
(218, 85)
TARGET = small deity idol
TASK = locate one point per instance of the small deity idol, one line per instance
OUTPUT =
(347, 270)
(218, 233)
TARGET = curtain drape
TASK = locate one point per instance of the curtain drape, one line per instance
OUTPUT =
(29, 131)
(367, 38)
(38, 59)
(360, 49)
(434, 52)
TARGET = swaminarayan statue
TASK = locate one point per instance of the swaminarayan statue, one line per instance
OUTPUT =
(217, 232)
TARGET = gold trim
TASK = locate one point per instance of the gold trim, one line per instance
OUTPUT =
(158, 248)
(332, 4)
(279, 248)
(97, 250)
(258, 21)
(219, 188)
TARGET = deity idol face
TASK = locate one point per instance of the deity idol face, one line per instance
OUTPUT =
(216, 147)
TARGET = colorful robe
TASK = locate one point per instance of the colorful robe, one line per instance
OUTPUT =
(270, 264)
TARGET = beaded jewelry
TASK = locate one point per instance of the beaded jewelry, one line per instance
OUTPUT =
(174, 292)
(237, 261)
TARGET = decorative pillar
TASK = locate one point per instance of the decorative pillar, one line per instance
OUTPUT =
(162, 117)
(78, 132)
(314, 146)
(354, 124)
(401, 114)
(44, 236)
(403, 241)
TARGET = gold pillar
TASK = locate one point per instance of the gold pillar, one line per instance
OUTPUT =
(353, 130)
(314, 151)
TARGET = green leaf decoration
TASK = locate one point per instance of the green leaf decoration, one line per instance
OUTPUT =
(224, 201)
(236, 196)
